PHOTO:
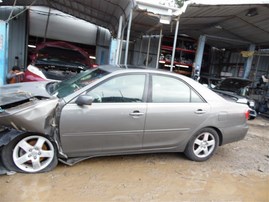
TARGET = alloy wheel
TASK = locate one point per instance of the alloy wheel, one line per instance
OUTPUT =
(33, 153)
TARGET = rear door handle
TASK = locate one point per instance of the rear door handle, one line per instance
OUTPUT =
(136, 113)
(200, 111)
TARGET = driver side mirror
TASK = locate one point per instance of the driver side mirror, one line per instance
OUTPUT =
(84, 100)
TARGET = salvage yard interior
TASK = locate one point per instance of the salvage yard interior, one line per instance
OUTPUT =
(101, 63)
(212, 39)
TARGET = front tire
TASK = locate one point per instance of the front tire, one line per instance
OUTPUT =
(30, 154)
(202, 145)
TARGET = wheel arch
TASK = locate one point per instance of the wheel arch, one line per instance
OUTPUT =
(9, 135)
(218, 132)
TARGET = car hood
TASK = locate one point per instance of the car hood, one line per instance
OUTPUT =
(233, 84)
(61, 53)
(14, 93)
(27, 107)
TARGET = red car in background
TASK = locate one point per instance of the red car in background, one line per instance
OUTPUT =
(57, 60)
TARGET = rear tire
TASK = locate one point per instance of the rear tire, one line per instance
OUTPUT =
(202, 145)
(30, 154)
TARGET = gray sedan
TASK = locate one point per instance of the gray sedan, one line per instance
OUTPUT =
(113, 110)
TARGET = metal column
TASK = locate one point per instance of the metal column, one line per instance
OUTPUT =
(140, 50)
(256, 70)
(121, 42)
(248, 63)
(174, 47)
(159, 48)
(147, 60)
(118, 40)
(199, 56)
(128, 37)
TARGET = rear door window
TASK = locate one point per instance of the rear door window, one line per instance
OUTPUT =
(167, 89)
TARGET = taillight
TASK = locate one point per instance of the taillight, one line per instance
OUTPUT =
(247, 114)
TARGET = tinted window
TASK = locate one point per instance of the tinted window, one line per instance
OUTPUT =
(125, 88)
(171, 90)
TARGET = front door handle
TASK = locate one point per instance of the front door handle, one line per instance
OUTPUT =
(136, 113)
(200, 111)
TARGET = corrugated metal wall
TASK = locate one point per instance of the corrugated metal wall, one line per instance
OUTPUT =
(139, 51)
(233, 62)
(260, 66)
(17, 38)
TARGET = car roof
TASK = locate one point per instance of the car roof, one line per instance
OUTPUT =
(114, 68)
(132, 68)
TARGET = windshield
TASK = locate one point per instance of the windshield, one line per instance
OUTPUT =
(67, 87)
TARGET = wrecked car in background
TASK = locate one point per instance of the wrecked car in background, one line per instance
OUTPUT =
(57, 60)
(233, 89)
(113, 110)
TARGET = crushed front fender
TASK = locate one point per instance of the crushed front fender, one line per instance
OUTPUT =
(33, 116)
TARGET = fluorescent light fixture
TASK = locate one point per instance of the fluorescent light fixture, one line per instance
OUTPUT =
(218, 27)
(165, 19)
(30, 46)
(183, 66)
(161, 61)
(92, 57)
(168, 66)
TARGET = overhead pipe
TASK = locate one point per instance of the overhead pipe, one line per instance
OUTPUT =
(11, 16)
